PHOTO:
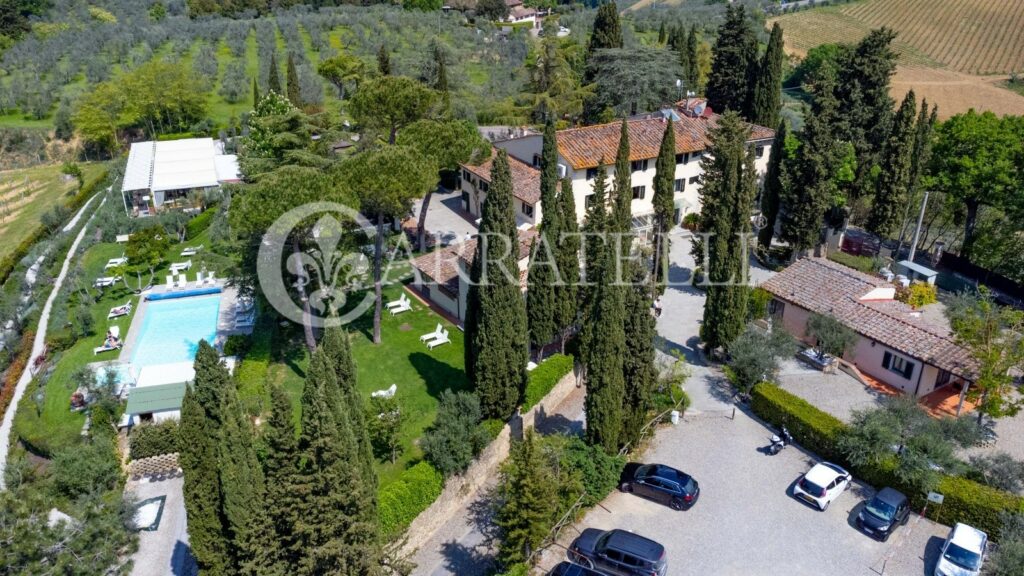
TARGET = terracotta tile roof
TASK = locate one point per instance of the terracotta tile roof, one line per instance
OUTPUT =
(586, 147)
(441, 267)
(525, 178)
(825, 287)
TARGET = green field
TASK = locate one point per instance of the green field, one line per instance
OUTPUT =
(27, 193)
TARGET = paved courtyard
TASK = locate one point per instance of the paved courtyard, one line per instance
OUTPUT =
(839, 394)
(445, 217)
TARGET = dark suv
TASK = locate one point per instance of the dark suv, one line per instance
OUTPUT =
(883, 513)
(618, 553)
(663, 484)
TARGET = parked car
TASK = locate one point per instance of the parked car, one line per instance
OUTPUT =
(663, 484)
(570, 569)
(822, 484)
(618, 553)
(963, 552)
(883, 513)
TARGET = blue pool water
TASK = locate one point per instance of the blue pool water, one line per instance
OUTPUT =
(171, 330)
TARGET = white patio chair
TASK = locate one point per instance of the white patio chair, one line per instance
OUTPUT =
(402, 301)
(403, 307)
(443, 339)
(437, 332)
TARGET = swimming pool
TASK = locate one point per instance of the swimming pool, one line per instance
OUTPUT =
(171, 330)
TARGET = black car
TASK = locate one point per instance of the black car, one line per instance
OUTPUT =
(883, 513)
(570, 569)
(662, 484)
(618, 553)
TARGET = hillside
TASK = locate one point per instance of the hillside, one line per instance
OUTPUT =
(954, 52)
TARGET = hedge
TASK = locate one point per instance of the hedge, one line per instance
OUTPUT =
(402, 501)
(200, 223)
(544, 377)
(964, 500)
(149, 440)
(818, 431)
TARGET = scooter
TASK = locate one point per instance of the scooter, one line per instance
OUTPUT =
(779, 443)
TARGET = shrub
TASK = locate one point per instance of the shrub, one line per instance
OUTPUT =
(200, 223)
(691, 222)
(455, 438)
(236, 345)
(492, 426)
(598, 471)
(149, 440)
(544, 377)
(816, 430)
(85, 469)
(754, 355)
(865, 264)
(918, 294)
(402, 500)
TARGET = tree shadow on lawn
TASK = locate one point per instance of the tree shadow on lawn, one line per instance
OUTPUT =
(438, 376)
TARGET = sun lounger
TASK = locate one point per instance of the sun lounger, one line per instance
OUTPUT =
(113, 262)
(401, 302)
(106, 281)
(182, 281)
(388, 393)
(112, 342)
(191, 251)
(181, 266)
(401, 308)
(441, 339)
(437, 332)
(245, 322)
(123, 310)
(170, 282)
(209, 278)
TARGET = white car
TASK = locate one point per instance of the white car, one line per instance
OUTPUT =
(822, 484)
(963, 552)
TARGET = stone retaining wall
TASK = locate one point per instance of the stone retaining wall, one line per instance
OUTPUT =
(162, 465)
(460, 490)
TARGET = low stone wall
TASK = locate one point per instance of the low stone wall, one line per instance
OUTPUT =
(460, 490)
(163, 465)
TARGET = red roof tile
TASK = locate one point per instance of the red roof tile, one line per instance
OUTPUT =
(525, 178)
(441, 266)
(829, 288)
(586, 147)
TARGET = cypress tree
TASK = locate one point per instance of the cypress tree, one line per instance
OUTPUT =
(730, 183)
(691, 72)
(281, 474)
(331, 530)
(767, 98)
(525, 516)
(339, 352)
(602, 341)
(199, 433)
(542, 306)
(773, 187)
(255, 549)
(255, 93)
(638, 369)
(893, 184)
(294, 91)
(734, 55)
(662, 34)
(568, 261)
(383, 61)
(862, 91)
(496, 326)
(273, 77)
(664, 205)
(623, 206)
(812, 176)
(607, 31)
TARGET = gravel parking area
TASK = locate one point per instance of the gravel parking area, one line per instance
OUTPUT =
(838, 394)
(747, 522)
(164, 551)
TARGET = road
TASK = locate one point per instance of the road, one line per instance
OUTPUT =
(37, 348)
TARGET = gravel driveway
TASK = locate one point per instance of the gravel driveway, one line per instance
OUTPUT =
(164, 551)
(746, 521)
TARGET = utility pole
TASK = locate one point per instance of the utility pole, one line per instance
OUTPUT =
(917, 230)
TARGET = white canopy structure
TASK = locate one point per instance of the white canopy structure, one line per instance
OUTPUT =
(177, 165)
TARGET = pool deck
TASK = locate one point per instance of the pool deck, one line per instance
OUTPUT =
(225, 320)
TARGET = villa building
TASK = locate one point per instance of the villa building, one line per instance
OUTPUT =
(582, 152)
(442, 276)
(895, 344)
(160, 175)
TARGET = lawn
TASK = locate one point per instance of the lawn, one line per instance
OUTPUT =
(49, 424)
(27, 193)
(420, 374)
